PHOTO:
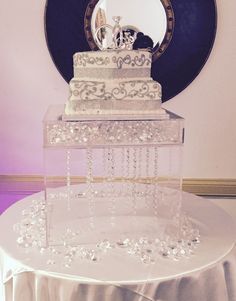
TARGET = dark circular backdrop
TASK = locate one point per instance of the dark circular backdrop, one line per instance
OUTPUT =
(191, 44)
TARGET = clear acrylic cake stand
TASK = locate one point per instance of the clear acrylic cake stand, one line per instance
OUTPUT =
(112, 178)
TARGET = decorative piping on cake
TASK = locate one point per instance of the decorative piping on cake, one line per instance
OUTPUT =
(137, 61)
(84, 59)
(92, 90)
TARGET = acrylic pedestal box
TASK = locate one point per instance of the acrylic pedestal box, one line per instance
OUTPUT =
(115, 178)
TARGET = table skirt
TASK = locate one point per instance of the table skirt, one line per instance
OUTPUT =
(216, 282)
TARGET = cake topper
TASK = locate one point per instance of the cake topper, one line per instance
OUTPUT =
(120, 37)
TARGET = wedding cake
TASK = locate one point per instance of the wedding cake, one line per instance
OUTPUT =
(112, 166)
(113, 82)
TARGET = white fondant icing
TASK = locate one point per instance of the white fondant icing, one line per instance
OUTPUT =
(113, 82)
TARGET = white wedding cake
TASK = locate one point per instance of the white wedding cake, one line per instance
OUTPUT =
(113, 82)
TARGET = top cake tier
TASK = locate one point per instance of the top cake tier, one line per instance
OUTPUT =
(112, 64)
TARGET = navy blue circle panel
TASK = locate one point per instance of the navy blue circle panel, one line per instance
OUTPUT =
(192, 39)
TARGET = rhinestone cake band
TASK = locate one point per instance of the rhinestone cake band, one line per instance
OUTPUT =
(109, 73)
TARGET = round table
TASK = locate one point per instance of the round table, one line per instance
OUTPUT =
(209, 274)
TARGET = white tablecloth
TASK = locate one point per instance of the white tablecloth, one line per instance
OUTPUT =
(209, 275)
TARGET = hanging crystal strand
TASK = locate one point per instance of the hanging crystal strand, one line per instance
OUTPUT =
(139, 167)
(111, 177)
(170, 168)
(155, 188)
(127, 162)
(134, 185)
(104, 160)
(68, 179)
(147, 162)
(177, 216)
(89, 193)
(122, 186)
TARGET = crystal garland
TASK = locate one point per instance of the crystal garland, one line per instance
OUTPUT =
(104, 169)
(111, 175)
(68, 180)
(147, 175)
(89, 180)
(134, 178)
(155, 186)
(123, 186)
